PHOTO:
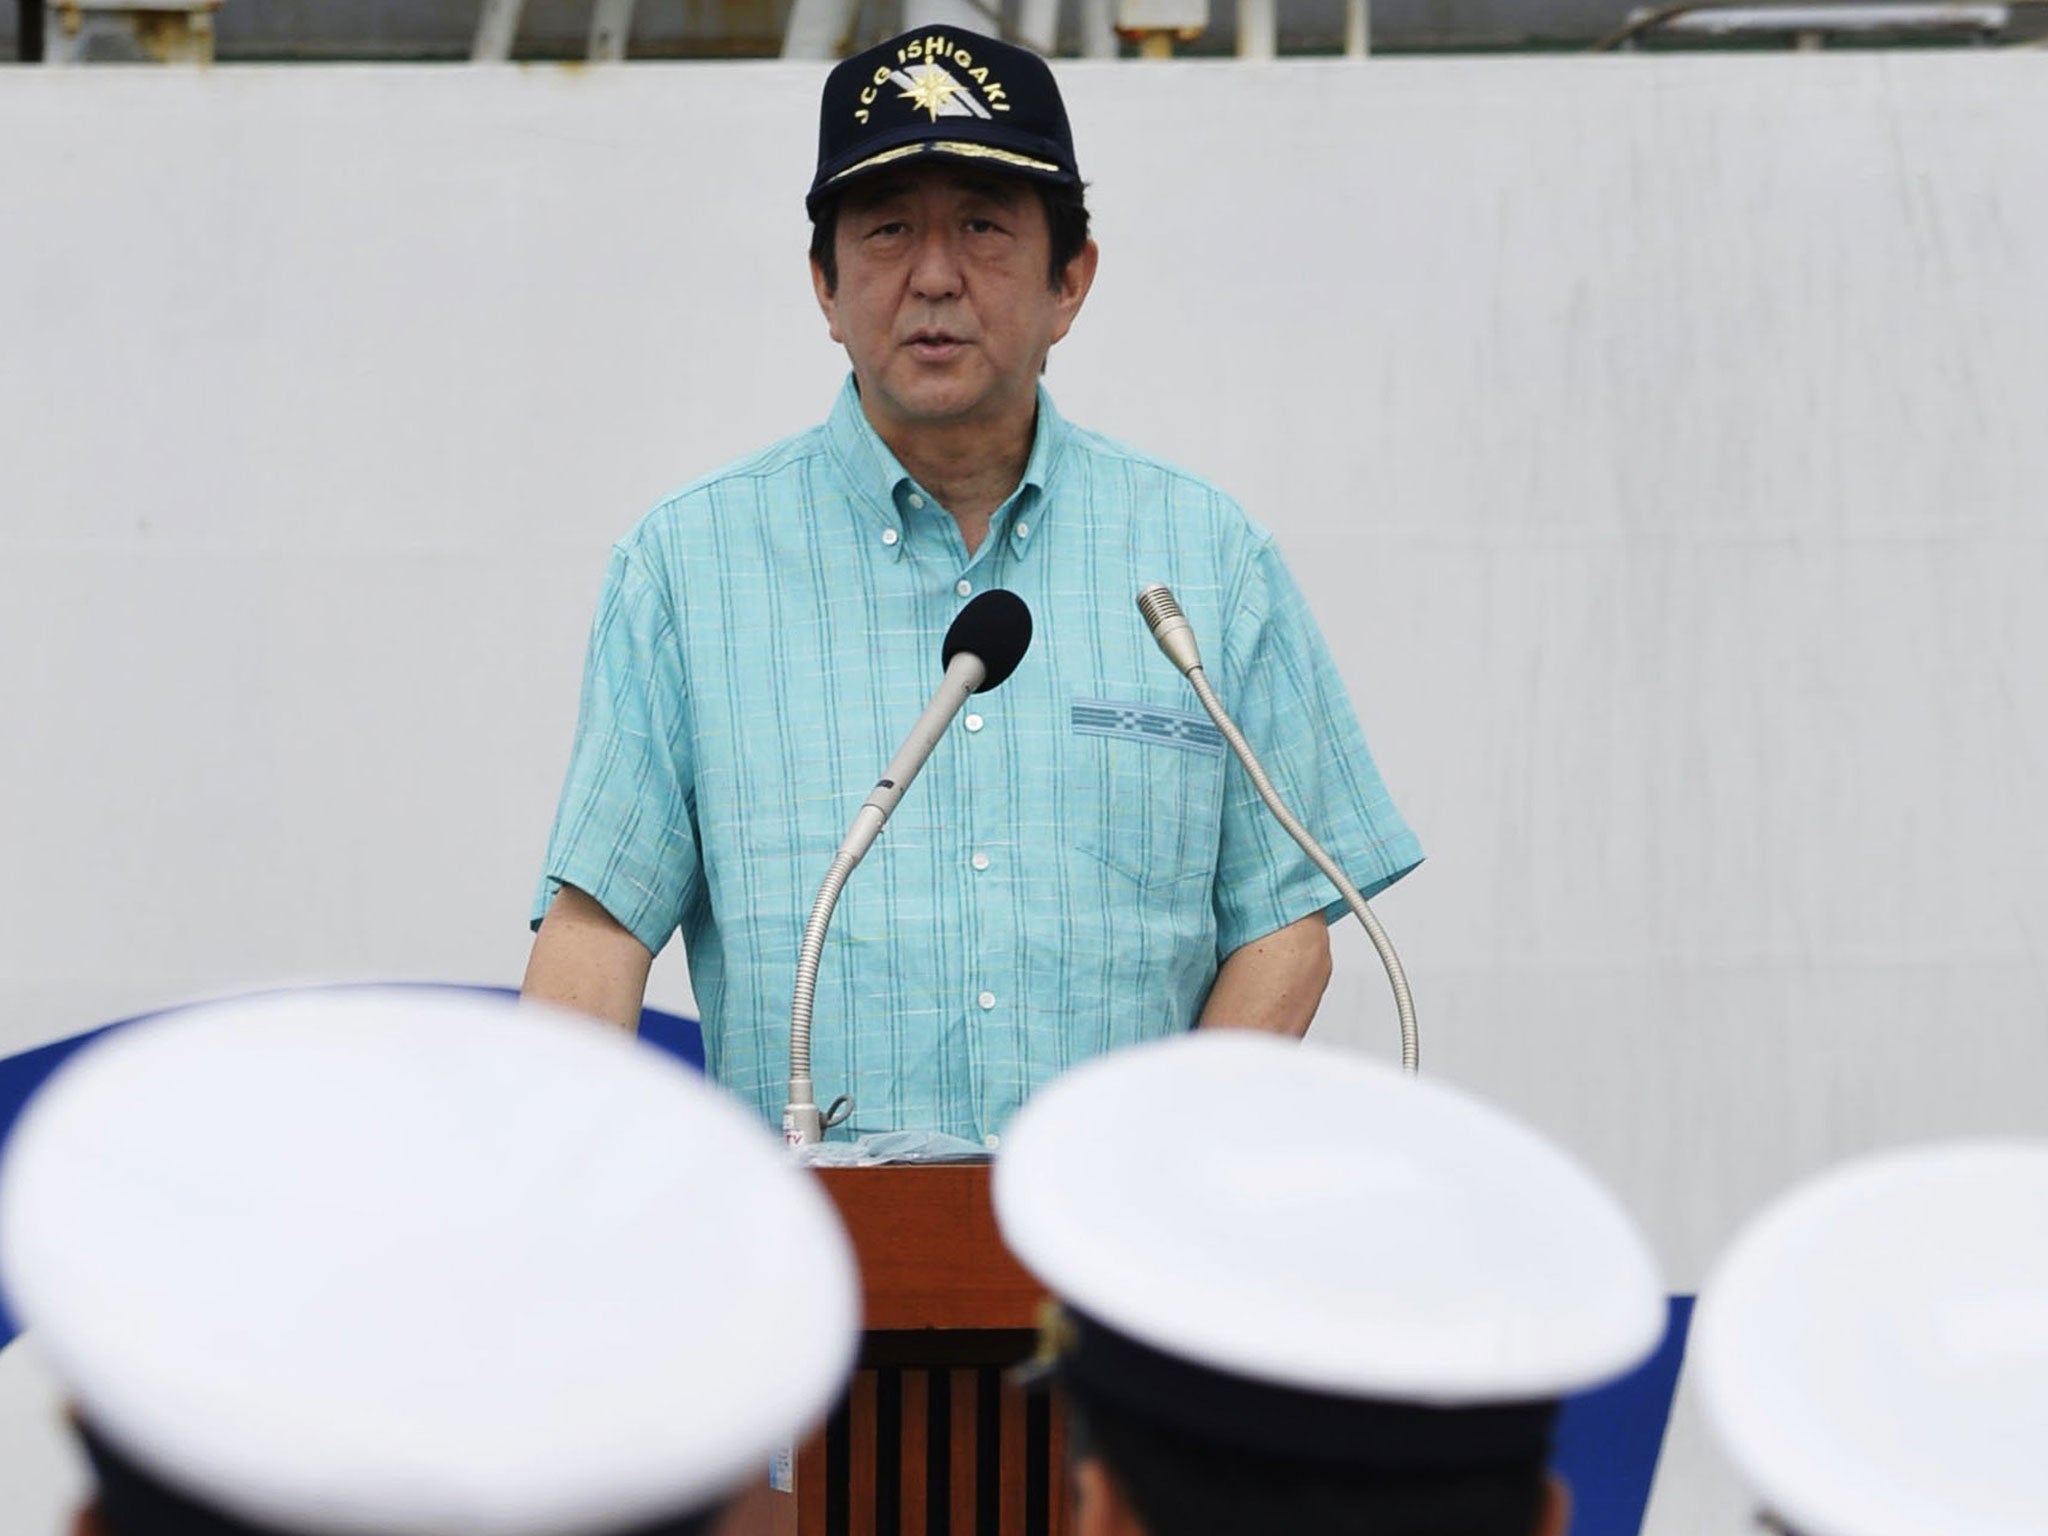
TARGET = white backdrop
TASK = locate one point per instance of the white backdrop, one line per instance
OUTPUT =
(1661, 441)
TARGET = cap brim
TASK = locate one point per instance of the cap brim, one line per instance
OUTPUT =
(963, 151)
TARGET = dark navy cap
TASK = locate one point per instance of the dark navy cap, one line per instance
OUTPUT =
(941, 93)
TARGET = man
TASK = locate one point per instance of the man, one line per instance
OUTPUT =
(767, 635)
(1872, 1351)
(416, 1264)
(1348, 1306)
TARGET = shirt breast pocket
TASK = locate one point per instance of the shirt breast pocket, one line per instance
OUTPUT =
(1151, 790)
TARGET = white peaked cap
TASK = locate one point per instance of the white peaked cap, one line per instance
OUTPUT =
(1325, 1224)
(398, 1262)
(1872, 1351)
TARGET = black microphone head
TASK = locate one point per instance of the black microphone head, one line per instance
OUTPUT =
(996, 626)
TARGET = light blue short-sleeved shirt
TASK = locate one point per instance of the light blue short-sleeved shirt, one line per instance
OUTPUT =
(1079, 853)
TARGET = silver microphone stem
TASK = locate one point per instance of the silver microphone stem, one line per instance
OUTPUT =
(1176, 638)
(802, 1124)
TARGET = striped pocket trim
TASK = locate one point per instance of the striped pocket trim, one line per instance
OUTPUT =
(1147, 722)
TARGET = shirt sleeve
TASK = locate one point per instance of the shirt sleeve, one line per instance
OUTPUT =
(1280, 685)
(625, 832)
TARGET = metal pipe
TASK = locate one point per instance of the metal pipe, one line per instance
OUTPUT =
(1098, 29)
(1258, 29)
(1357, 28)
(497, 28)
(947, 13)
(1038, 25)
(1699, 17)
(817, 27)
(611, 23)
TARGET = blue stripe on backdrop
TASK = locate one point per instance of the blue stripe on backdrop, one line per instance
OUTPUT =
(22, 1075)
(1608, 1441)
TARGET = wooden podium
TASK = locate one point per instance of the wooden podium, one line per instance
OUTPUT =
(932, 1439)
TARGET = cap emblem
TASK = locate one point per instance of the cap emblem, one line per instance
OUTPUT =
(932, 90)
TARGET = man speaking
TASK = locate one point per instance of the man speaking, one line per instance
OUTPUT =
(1080, 865)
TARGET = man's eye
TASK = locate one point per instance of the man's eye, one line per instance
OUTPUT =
(983, 227)
(891, 227)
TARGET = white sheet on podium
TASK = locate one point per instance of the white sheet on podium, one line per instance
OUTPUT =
(872, 1151)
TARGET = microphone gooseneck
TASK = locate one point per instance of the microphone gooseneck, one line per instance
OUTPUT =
(1176, 637)
(982, 648)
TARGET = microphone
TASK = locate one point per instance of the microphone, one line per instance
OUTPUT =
(1176, 637)
(1170, 627)
(983, 646)
(995, 629)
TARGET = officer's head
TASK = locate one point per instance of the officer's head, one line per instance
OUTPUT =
(1335, 1300)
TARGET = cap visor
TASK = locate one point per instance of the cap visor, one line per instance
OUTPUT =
(962, 151)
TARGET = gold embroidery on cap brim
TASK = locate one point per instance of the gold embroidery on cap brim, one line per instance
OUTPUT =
(959, 147)
(1058, 1336)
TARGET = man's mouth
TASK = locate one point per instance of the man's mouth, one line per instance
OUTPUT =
(934, 346)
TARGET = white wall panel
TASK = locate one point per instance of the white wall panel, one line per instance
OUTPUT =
(1660, 440)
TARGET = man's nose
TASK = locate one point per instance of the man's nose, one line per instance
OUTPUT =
(936, 272)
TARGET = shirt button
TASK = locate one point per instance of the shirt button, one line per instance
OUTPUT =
(974, 722)
(889, 535)
(916, 501)
(992, 1141)
(963, 586)
(987, 1000)
(980, 861)
(1023, 530)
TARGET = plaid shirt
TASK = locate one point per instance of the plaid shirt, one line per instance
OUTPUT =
(1079, 853)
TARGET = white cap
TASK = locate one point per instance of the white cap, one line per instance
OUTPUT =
(1305, 1219)
(1872, 1352)
(418, 1263)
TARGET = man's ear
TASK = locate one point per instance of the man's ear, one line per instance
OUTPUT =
(1556, 1518)
(1100, 1508)
(826, 302)
(87, 1522)
(1075, 282)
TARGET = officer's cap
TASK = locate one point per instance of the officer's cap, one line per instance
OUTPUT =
(1872, 1351)
(413, 1263)
(1290, 1248)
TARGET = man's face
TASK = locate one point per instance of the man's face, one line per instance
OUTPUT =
(944, 302)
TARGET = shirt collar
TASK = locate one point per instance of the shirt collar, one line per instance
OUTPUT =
(878, 481)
